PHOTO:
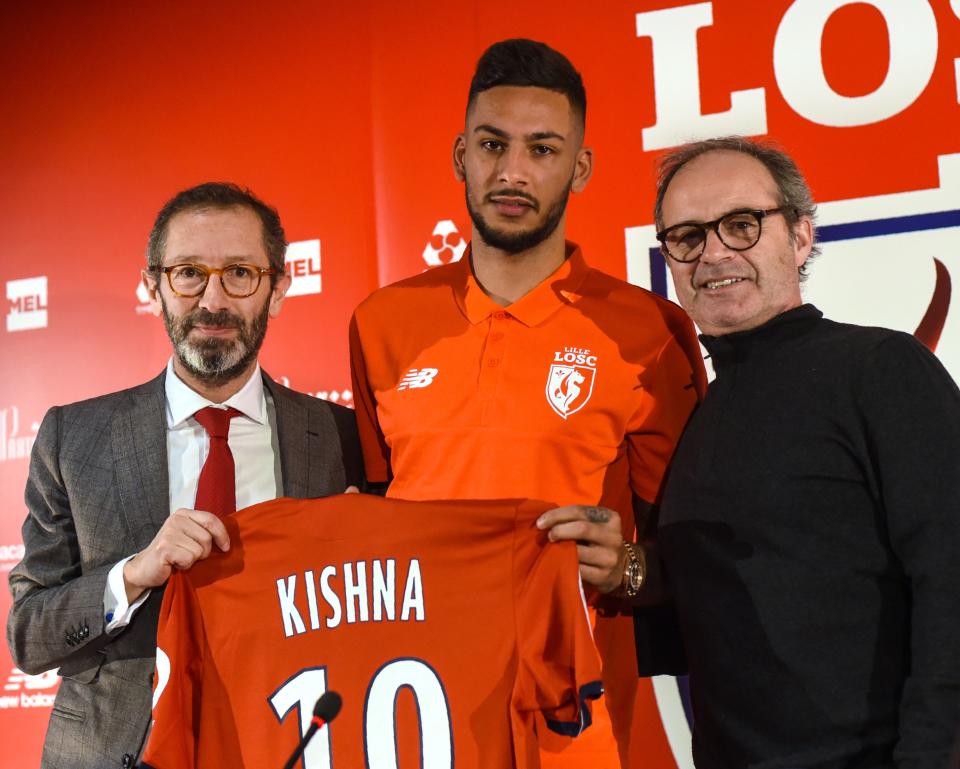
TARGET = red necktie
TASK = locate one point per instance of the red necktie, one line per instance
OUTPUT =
(216, 491)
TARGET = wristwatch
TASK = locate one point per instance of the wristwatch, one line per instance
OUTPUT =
(634, 570)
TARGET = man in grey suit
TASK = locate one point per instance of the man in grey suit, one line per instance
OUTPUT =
(113, 480)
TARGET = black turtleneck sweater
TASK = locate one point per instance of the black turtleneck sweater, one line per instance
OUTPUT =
(810, 529)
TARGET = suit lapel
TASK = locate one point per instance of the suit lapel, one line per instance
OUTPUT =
(293, 439)
(139, 440)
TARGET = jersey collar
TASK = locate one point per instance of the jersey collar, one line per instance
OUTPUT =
(558, 290)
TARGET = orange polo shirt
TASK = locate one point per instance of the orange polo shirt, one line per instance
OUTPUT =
(576, 393)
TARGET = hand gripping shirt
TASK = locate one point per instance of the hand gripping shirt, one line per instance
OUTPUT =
(450, 629)
(576, 393)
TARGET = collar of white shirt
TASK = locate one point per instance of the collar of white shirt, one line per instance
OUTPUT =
(183, 402)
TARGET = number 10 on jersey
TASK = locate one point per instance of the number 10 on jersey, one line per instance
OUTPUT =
(303, 689)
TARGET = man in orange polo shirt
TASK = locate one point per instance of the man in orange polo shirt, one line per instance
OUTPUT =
(520, 371)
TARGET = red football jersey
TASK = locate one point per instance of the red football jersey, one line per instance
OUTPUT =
(453, 631)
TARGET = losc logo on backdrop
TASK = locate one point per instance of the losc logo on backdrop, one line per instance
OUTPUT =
(445, 246)
(28, 303)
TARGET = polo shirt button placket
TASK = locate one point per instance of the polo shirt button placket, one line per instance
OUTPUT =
(493, 353)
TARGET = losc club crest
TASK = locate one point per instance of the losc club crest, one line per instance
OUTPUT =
(570, 381)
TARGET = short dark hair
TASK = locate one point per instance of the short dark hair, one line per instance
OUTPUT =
(219, 195)
(528, 63)
(792, 188)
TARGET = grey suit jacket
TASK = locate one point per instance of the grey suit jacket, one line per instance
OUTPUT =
(97, 492)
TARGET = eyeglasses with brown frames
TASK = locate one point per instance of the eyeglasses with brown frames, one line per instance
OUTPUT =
(738, 230)
(238, 280)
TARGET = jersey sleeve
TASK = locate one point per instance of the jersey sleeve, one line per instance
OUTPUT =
(559, 667)
(173, 739)
(376, 454)
(674, 383)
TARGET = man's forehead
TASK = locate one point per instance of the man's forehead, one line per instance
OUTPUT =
(509, 105)
(717, 182)
(199, 214)
(729, 166)
(214, 231)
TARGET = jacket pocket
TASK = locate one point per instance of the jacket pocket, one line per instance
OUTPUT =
(69, 713)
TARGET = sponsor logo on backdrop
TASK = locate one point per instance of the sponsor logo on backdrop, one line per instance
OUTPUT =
(570, 380)
(10, 556)
(27, 299)
(344, 397)
(14, 443)
(302, 262)
(445, 246)
(417, 378)
(26, 691)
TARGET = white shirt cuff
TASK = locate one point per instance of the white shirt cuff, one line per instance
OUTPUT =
(117, 613)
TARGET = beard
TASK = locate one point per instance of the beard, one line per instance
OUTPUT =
(212, 360)
(515, 242)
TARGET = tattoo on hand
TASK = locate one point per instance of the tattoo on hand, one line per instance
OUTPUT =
(597, 514)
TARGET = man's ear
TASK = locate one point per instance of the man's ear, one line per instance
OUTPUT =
(802, 240)
(151, 282)
(278, 292)
(459, 148)
(583, 169)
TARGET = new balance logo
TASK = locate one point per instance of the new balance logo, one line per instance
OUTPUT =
(418, 377)
(19, 684)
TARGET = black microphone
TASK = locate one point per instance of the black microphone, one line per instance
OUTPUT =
(324, 712)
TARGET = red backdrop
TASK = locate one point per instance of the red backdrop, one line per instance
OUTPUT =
(343, 116)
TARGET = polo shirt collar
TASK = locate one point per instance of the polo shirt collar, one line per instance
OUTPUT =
(559, 289)
(183, 402)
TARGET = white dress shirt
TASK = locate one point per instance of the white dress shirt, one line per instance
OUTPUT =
(256, 457)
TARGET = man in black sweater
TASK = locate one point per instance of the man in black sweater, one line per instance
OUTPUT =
(810, 526)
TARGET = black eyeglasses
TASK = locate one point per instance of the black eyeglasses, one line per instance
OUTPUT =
(238, 280)
(737, 230)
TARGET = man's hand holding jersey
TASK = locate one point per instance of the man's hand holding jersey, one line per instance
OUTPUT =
(186, 537)
(600, 550)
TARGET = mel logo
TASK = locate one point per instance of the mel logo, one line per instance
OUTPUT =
(28, 304)
(570, 381)
(303, 264)
(445, 246)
